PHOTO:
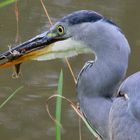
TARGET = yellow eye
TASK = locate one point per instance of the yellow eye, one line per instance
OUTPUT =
(60, 29)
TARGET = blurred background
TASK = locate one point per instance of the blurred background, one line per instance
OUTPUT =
(25, 116)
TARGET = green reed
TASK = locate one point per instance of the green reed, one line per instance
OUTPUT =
(12, 95)
(58, 106)
(6, 2)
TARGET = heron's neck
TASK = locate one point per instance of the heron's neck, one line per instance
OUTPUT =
(104, 76)
(99, 82)
(109, 70)
(96, 86)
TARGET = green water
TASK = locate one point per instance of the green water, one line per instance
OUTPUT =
(25, 117)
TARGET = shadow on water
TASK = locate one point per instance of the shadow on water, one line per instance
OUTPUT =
(25, 117)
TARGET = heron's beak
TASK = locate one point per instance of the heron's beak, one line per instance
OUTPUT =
(37, 46)
(46, 46)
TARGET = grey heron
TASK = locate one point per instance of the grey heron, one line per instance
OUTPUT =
(99, 81)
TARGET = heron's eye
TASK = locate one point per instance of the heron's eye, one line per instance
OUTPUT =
(60, 30)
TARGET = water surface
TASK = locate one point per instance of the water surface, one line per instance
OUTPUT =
(25, 117)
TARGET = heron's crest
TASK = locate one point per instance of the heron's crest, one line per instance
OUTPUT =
(82, 16)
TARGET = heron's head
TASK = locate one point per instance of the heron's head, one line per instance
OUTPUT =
(79, 32)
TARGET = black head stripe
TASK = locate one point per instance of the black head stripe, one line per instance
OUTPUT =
(81, 17)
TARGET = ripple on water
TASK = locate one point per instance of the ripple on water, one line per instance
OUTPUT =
(43, 81)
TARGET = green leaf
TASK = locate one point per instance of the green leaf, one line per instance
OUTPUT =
(12, 95)
(6, 2)
(58, 106)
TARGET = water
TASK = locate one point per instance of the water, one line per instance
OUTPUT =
(25, 117)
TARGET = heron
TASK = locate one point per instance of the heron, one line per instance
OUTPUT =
(101, 92)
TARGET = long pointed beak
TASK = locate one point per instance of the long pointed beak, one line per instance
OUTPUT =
(46, 46)
(37, 46)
